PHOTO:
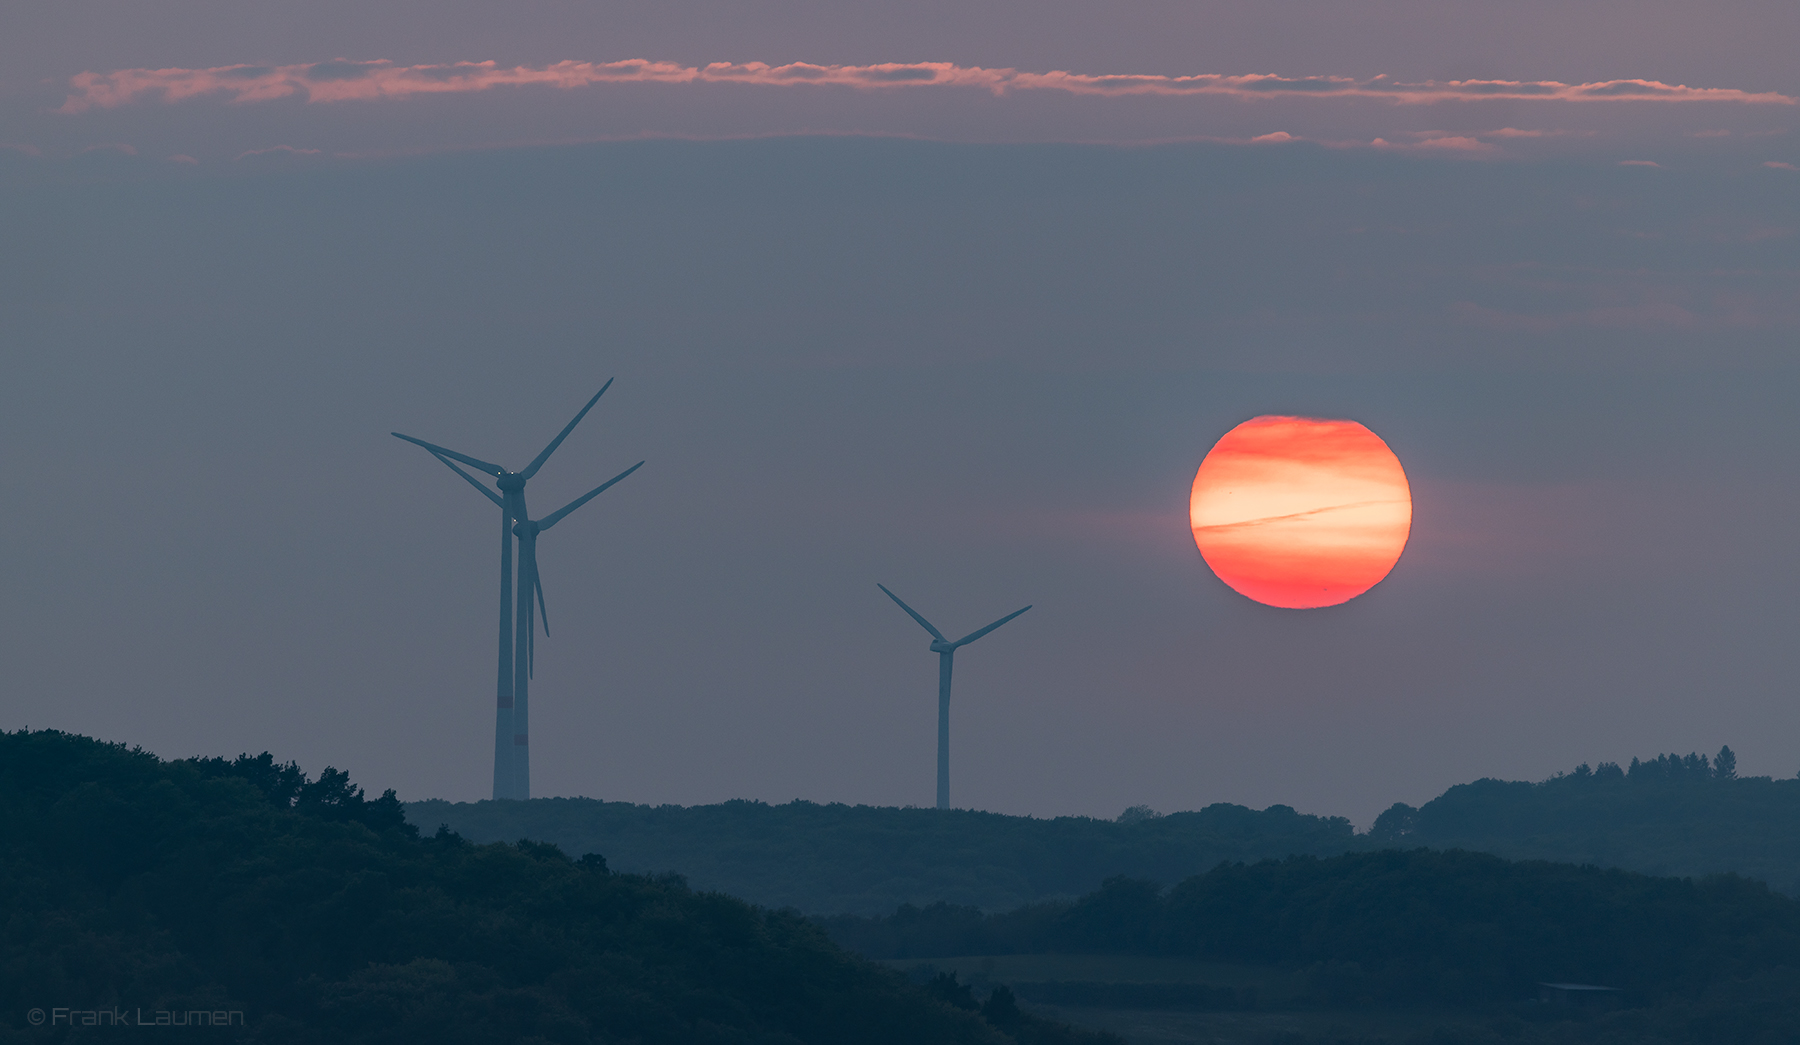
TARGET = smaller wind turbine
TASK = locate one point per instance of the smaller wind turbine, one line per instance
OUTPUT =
(946, 651)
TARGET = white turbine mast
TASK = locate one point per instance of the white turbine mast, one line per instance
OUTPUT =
(946, 651)
(512, 736)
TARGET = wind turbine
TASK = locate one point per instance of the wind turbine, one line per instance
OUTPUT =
(512, 509)
(946, 651)
(530, 584)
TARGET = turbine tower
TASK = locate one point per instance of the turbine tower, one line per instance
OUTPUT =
(946, 651)
(530, 584)
(511, 738)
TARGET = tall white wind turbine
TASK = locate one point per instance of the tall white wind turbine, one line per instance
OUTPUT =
(530, 584)
(946, 651)
(511, 501)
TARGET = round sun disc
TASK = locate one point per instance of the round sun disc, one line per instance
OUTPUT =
(1301, 512)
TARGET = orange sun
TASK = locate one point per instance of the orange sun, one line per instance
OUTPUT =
(1300, 512)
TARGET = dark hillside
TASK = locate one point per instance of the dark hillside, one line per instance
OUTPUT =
(135, 886)
(1672, 815)
(1396, 927)
(830, 859)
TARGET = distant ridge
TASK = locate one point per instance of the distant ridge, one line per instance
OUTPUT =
(1672, 815)
(836, 859)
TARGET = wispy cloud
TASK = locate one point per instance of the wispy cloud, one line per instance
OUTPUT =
(278, 150)
(1293, 516)
(343, 80)
(1435, 142)
(1520, 132)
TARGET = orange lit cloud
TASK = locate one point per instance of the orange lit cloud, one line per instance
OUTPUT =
(1299, 512)
(1441, 143)
(342, 80)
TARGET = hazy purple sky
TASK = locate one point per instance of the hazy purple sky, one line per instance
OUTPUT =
(969, 339)
(1716, 50)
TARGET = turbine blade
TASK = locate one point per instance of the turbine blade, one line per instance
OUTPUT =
(528, 576)
(973, 635)
(914, 614)
(531, 469)
(543, 614)
(492, 469)
(476, 483)
(555, 517)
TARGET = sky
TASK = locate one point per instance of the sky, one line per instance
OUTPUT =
(949, 297)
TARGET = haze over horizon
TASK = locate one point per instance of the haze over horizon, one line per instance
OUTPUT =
(965, 342)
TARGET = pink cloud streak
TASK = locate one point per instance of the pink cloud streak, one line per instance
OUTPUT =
(342, 80)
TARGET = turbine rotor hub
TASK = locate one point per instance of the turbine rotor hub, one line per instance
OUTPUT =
(940, 646)
(525, 528)
(510, 481)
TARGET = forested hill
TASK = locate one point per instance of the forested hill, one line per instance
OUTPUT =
(1671, 815)
(1421, 926)
(274, 908)
(1694, 961)
(833, 859)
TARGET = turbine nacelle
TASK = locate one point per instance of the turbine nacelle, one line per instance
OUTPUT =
(940, 644)
(510, 482)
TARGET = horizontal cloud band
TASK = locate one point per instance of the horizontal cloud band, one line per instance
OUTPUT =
(339, 81)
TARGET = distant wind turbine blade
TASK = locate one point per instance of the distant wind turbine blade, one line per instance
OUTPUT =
(972, 636)
(914, 614)
(543, 614)
(528, 575)
(538, 462)
(492, 469)
(476, 483)
(555, 517)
